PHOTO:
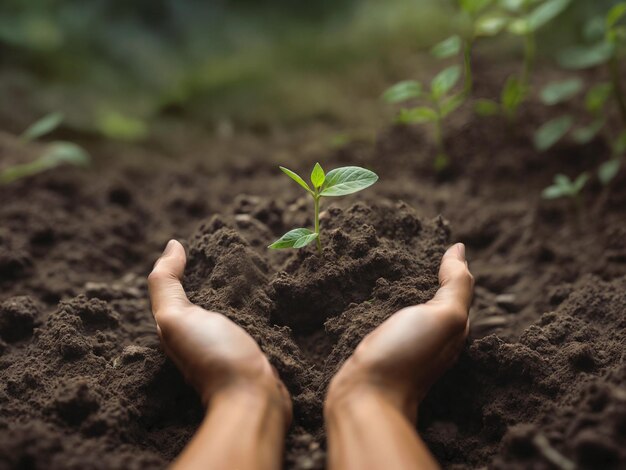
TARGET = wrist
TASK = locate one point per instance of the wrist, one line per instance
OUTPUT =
(349, 396)
(255, 398)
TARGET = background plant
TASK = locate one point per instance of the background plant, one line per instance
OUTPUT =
(521, 18)
(564, 187)
(608, 35)
(55, 153)
(441, 102)
(337, 182)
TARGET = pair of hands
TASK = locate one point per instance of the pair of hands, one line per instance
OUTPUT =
(400, 359)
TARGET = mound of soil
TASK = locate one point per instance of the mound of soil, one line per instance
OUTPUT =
(306, 311)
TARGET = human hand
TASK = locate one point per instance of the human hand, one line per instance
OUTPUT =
(406, 354)
(214, 354)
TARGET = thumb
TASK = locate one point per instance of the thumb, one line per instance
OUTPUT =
(455, 280)
(164, 282)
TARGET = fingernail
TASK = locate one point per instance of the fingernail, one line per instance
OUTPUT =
(461, 249)
(168, 247)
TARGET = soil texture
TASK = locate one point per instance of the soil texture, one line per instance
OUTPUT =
(541, 383)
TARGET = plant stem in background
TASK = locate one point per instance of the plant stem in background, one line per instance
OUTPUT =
(529, 59)
(441, 160)
(467, 61)
(618, 91)
(316, 198)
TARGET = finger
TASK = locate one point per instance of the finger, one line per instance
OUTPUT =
(164, 282)
(455, 280)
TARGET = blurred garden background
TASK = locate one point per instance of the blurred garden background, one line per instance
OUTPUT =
(126, 70)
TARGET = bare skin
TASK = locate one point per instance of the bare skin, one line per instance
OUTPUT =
(248, 407)
(372, 401)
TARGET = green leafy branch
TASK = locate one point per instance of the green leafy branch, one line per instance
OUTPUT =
(608, 35)
(337, 182)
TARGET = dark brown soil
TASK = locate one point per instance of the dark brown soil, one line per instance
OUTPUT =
(540, 384)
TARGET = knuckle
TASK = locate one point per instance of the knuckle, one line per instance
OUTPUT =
(158, 275)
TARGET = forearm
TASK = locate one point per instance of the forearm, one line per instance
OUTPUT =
(368, 432)
(242, 430)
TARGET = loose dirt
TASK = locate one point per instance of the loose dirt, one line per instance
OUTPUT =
(539, 385)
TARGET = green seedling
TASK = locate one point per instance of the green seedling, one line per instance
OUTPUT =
(564, 187)
(607, 38)
(554, 130)
(55, 154)
(43, 126)
(441, 103)
(522, 18)
(337, 182)
(472, 27)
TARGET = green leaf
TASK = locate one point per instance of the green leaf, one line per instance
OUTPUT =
(519, 27)
(552, 131)
(296, 178)
(43, 126)
(484, 107)
(54, 155)
(317, 176)
(347, 180)
(609, 170)
(447, 48)
(584, 135)
(474, 6)
(490, 25)
(545, 13)
(512, 5)
(117, 126)
(562, 180)
(64, 152)
(403, 91)
(553, 192)
(558, 92)
(444, 81)
(452, 104)
(296, 238)
(513, 94)
(597, 96)
(582, 57)
(594, 29)
(580, 182)
(417, 115)
(615, 14)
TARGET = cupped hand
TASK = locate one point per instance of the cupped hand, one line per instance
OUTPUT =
(214, 354)
(406, 354)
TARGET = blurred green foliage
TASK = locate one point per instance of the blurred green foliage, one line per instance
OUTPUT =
(112, 65)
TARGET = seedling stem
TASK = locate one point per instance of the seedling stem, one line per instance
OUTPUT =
(316, 198)
(467, 61)
(618, 91)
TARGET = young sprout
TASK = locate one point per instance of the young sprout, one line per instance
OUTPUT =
(441, 103)
(521, 18)
(337, 182)
(55, 154)
(609, 39)
(473, 27)
(557, 92)
(564, 187)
